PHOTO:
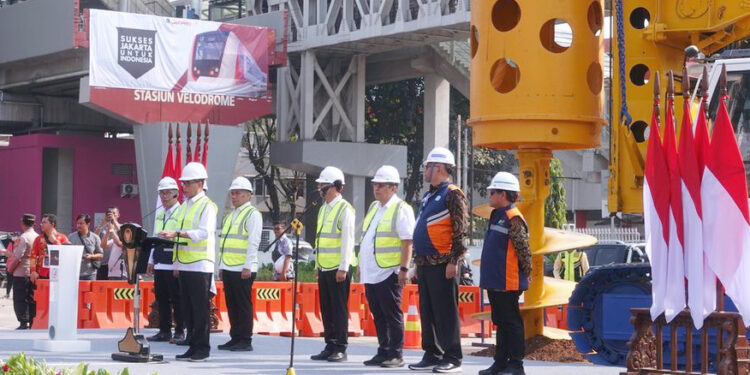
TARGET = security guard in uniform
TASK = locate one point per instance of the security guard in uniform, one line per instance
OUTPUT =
(166, 285)
(438, 247)
(385, 253)
(194, 227)
(335, 254)
(238, 262)
(505, 270)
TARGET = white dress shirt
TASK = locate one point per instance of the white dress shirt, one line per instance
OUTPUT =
(167, 214)
(206, 231)
(254, 228)
(370, 272)
(347, 232)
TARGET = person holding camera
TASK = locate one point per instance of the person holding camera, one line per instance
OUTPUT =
(108, 230)
(92, 247)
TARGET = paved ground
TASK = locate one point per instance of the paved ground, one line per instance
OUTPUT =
(271, 355)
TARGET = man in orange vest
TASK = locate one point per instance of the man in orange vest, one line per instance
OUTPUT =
(438, 246)
(505, 270)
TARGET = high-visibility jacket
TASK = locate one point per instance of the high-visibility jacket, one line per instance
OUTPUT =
(234, 239)
(188, 219)
(499, 267)
(387, 242)
(433, 232)
(572, 269)
(328, 240)
(161, 255)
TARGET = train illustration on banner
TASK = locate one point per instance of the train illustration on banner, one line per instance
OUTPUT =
(221, 61)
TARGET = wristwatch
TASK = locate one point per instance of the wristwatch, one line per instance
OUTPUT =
(404, 269)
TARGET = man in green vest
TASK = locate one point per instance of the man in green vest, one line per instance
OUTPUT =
(194, 229)
(385, 253)
(238, 262)
(334, 245)
(571, 265)
(166, 285)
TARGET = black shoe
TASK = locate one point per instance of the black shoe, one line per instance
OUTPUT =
(242, 346)
(513, 370)
(322, 356)
(493, 370)
(375, 361)
(185, 342)
(393, 363)
(160, 337)
(23, 326)
(337, 357)
(447, 368)
(228, 345)
(177, 337)
(424, 364)
(199, 357)
(185, 356)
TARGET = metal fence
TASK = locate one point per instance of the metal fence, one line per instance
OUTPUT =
(611, 234)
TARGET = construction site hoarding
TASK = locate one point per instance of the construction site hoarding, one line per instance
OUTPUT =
(152, 69)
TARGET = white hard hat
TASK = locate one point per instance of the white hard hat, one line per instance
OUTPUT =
(168, 183)
(194, 171)
(387, 174)
(440, 155)
(330, 174)
(241, 183)
(504, 181)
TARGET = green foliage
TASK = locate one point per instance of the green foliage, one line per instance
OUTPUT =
(20, 364)
(555, 207)
(306, 272)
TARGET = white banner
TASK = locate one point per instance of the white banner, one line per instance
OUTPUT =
(177, 56)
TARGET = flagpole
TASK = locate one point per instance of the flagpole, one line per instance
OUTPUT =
(722, 96)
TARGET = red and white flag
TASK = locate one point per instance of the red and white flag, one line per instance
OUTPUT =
(726, 222)
(674, 301)
(692, 219)
(656, 215)
(702, 147)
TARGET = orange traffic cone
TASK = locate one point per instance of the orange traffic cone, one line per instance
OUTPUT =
(413, 332)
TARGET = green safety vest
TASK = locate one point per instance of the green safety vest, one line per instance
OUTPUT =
(571, 263)
(328, 240)
(160, 223)
(187, 219)
(233, 238)
(387, 242)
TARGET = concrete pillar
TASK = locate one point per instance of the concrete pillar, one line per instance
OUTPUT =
(151, 151)
(307, 90)
(354, 193)
(437, 102)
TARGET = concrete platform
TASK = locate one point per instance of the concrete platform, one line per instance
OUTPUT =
(270, 357)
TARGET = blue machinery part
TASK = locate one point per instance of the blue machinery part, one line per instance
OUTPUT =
(599, 315)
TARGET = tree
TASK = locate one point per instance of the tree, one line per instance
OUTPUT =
(555, 207)
(280, 190)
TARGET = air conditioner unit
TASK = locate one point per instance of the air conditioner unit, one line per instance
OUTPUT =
(128, 190)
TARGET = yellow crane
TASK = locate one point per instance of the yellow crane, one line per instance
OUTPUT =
(533, 94)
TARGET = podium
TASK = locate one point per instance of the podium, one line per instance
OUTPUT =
(64, 268)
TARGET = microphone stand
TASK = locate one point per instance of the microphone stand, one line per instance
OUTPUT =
(297, 225)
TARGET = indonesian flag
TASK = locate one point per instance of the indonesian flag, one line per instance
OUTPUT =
(656, 216)
(178, 162)
(674, 301)
(726, 226)
(702, 148)
(691, 216)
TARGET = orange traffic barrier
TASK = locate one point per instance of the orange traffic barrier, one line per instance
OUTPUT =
(272, 308)
(412, 331)
(309, 321)
(41, 296)
(368, 320)
(357, 300)
(468, 304)
(557, 317)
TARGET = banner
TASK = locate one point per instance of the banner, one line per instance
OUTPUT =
(150, 69)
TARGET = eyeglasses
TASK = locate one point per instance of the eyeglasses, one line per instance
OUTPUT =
(378, 185)
(185, 183)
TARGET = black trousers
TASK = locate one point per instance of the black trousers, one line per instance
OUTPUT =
(239, 305)
(334, 309)
(20, 293)
(438, 312)
(194, 288)
(509, 341)
(8, 283)
(167, 290)
(384, 299)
